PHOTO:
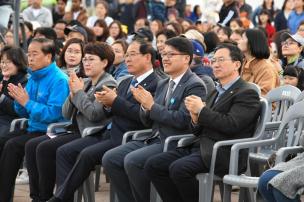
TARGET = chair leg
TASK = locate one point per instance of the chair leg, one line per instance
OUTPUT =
(227, 193)
(205, 187)
(113, 196)
(97, 177)
(242, 195)
(221, 185)
(88, 189)
(78, 194)
(154, 196)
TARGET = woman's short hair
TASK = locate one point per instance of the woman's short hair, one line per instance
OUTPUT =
(297, 72)
(102, 50)
(123, 44)
(16, 55)
(61, 61)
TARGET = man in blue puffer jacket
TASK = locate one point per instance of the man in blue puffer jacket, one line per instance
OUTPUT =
(41, 102)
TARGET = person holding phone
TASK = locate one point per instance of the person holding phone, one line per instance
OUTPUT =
(81, 108)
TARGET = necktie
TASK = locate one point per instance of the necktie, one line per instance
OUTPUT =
(134, 82)
(169, 92)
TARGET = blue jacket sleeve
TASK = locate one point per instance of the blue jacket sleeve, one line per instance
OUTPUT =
(50, 111)
(20, 110)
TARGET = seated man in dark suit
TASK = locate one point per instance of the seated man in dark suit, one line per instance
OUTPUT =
(78, 158)
(167, 115)
(230, 112)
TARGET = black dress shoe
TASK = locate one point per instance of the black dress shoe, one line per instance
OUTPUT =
(54, 199)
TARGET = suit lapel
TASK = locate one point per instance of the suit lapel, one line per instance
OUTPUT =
(228, 93)
(211, 99)
(181, 83)
(146, 82)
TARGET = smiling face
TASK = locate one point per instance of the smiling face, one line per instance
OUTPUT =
(93, 65)
(8, 68)
(73, 55)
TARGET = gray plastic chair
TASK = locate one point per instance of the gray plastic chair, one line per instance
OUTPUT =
(291, 124)
(283, 97)
(279, 100)
(300, 97)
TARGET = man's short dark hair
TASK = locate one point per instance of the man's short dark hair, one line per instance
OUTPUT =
(145, 47)
(48, 32)
(181, 44)
(234, 52)
(48, 46)
(166, 32)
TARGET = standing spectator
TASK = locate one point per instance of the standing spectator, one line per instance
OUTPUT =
(268, 5)
(101, 13)
(280, 21)
(13, 70)
(101, 30)
(77, 13)
(70, 57)
(229, 6)
(292, 47)
(5, 10)
(41, 102)
(257, 68)
(124, 15)
(196, 13)
(245, 9)
(296, 16)
(59, 10)
(39, 14)
(264, 22)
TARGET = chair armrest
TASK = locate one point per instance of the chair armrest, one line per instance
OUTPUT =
(283, 152)
(129, 135)
(186, 140)
(142, 133)
(53, 126)
(91, 130)
(175, 138)
(22, 122)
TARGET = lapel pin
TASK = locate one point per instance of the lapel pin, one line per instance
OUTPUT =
(145, 84)
(172, 100)
(231, 92)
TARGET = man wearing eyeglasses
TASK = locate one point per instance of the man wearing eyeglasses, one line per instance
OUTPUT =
(230, 112)
(165, 113)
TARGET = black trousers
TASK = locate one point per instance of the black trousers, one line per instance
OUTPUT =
(173, 174)
(40, 155)
(11, 159)
(76, 160)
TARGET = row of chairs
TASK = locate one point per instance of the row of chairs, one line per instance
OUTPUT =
(272, 127)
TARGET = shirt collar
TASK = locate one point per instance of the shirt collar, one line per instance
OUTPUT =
(177, 79)
(219, 87)
(144, 76)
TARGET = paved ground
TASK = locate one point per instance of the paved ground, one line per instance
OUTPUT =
(22, 193)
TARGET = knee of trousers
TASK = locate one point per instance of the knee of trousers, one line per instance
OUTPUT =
(30, 148)
(131, 164)
(43, 151)
(109, 161)
(62, 152)
(178, 171)
(263, 182)
(151, 168)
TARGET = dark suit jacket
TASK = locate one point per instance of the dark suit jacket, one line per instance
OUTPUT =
(233, 116)
(175, 119)
(125, 109)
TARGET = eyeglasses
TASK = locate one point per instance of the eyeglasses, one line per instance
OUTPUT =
(5, 62)
(88, 60)
(71, 51)
(219, 60)
(170, 54)
(288, 43)
(131, 55)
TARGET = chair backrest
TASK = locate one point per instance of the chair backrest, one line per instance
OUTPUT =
(280, 99)
(260, 127)
(208, 83)
(255, 87)
(292, 125)
(300, 97)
